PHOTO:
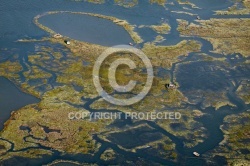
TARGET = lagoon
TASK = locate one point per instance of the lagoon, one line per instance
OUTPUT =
(86, 28)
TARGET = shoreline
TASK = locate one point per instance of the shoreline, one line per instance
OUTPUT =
(129, 28)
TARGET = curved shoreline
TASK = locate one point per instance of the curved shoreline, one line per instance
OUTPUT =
(129, 28)
(63, 161)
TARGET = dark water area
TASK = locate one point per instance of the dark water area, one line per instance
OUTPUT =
(135, 137)
(202, 76)
(11, 99)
